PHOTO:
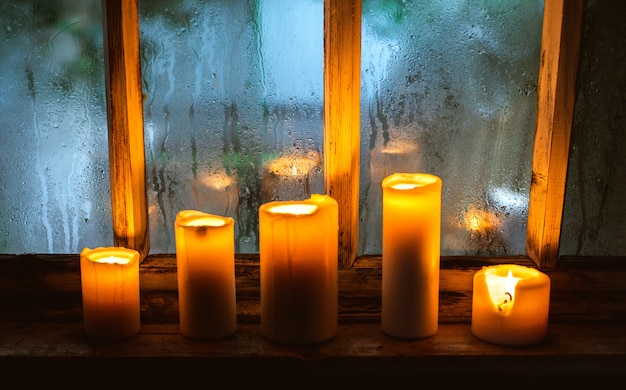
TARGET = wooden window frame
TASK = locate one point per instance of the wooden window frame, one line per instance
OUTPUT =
(342, 52)
(41, 297)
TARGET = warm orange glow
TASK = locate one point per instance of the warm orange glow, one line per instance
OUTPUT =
(395, 147)
(299, 270)
(294, 209)
(476, 220)
(404, 186)
(205, 258)
(294, 165)
(110, 291)
(112, 260)
(194, 218)
(510, 304)
(502, 290)
(411, 250)
(216, 181)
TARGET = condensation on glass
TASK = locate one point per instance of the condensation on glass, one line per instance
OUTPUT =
(450, 88)
(594, 215)
(233, 109)
(54, 175)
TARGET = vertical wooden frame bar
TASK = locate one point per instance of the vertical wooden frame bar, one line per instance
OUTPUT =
(342, 76)
(555, 108)
(125, 124)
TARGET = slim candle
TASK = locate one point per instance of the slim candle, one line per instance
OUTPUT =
(410, 254)
(205, 258)
(299, 267)
(110, 288)
(510, 304)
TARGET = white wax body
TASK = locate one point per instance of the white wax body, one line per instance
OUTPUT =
(521, 321)
(110, 288)
(205, 258)
(410, 254)
(299, 268)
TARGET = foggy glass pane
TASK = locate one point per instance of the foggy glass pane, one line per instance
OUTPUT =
(594, 215)
(232, 110)
(449, 88)
(54, 175)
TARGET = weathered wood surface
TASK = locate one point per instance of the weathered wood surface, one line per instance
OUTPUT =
(555, 112)
(41, 327)
(37, 287)
(125, 125)
(342, 126)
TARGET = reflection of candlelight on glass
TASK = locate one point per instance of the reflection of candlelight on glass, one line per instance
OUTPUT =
(510, 304)
(484, 230)
(217, 181)
(291, 177)
(215, 191)
(392, 157)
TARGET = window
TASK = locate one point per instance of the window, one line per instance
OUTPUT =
(293, 122)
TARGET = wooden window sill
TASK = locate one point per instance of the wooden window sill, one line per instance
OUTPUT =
(41, 327)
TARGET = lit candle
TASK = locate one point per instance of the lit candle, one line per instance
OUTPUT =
(410, 254)
(110, 288)
(205, 257)
(510, 304)
(298, 262)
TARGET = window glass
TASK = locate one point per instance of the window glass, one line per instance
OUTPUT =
(450, 88)
(594, 216)
(232, 111)
(54, 174)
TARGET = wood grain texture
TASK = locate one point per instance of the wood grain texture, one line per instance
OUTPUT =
(41, 328)
(125, 125)
(555, 109)
(342, 127)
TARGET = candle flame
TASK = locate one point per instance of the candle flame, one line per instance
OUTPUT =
(404, 186)
(112, 260)
(502, 290)
(295, 209)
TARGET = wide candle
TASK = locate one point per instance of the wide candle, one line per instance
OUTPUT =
(205, 258)
(410, 254)
(298, 264)
(110, 288)
(510, 304)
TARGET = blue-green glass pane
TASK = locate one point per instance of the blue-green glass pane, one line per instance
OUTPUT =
(54, 175)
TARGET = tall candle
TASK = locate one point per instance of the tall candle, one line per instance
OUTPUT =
(510, 304)
(299, 267)
(205, 258)
(410, 254)
(110, 288)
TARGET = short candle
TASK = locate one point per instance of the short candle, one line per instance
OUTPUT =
(410, 254)
(110, 288)
(205, 258)
(510, 304)
(299, 270)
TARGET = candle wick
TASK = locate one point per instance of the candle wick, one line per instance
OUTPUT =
(506, 300)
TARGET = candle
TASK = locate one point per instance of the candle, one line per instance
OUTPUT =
(110, 288)
(298, 263)
(205, 258)
(510, 304)
(410, 254)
